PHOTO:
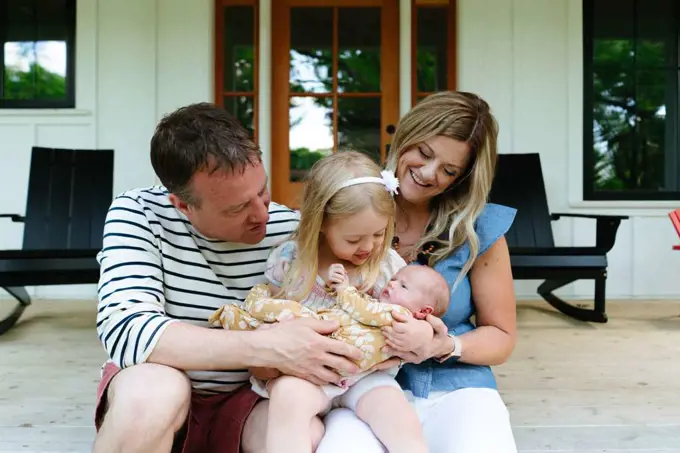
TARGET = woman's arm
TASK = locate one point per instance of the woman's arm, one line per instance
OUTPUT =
(491, 343)
(493, 293)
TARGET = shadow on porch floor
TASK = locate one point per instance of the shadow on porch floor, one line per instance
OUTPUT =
(570, 387)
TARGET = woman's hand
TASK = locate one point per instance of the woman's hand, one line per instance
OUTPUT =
(416, 341)
(408, 338)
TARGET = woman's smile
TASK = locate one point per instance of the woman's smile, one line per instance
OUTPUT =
(418, 180)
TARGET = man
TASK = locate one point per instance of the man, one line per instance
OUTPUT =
(171, 256)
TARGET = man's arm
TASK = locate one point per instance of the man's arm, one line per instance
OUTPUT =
(298, 348)
(133, 327)
(131, 314)
(131, 321)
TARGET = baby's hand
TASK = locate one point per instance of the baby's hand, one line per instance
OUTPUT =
(337, 277)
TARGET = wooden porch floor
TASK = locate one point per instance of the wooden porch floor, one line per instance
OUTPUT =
(570, 387)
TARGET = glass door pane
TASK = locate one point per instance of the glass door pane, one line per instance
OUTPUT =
(359, 82)
(359, 50)
(359, 125)
(340, 84)
(311, 133)
(433, 65)
(310, 110)
(237, 87)
(311, 50)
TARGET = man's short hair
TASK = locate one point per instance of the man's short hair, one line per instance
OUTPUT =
(197, 137)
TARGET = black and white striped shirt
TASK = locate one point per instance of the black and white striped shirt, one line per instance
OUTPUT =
(156, 268)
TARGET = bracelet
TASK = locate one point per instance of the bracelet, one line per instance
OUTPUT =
(456, 352)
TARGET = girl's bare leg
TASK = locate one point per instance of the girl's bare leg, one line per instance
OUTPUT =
(392, 419)
(293, 425)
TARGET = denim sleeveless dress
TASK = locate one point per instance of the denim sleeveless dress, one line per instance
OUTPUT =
(430, 375)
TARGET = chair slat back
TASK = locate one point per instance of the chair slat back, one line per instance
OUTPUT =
(675, 220)
(69, 193)
(519, 184)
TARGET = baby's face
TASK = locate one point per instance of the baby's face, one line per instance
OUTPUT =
(407, 288)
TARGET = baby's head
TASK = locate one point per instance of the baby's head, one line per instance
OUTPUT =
(419, 288)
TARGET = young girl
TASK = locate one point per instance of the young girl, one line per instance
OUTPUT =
(347, 218)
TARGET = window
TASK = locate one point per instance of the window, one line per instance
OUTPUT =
(631, 75)
(236, 68)
(37, 49)
(433, 34)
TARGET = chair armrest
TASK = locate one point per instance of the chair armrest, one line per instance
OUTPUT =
(30, 254)
(605, 228)
(13, 217)
(557, 215)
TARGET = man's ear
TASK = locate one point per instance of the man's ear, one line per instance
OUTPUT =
(178, 203)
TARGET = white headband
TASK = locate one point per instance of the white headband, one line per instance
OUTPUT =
(387, 179)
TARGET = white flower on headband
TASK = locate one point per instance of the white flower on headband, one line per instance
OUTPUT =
(391, 181)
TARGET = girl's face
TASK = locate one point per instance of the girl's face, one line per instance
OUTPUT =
(355, 238)
(429, 168)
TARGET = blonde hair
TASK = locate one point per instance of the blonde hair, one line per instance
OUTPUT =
(323, 200)
(434, 286)
(467, 118)
(439, 291)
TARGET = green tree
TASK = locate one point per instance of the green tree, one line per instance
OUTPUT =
(36, 83)
(358, 117)
(628, 128)
(358, 71)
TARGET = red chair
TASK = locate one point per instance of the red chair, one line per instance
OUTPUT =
(675, 218)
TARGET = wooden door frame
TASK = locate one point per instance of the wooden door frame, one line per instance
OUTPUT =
(283, 190)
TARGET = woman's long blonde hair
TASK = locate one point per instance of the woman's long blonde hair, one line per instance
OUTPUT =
(467, 118)
(322, 201)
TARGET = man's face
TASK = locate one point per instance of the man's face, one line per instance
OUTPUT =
(233, 206)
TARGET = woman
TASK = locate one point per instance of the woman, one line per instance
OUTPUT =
(444, 154)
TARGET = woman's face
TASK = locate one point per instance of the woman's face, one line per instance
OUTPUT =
(429, 168)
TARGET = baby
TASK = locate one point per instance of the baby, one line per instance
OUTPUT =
(414, 290)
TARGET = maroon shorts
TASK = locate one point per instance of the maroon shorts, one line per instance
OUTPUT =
(214, 423)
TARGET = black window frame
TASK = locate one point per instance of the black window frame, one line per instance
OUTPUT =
(588, 170)
(69, 102)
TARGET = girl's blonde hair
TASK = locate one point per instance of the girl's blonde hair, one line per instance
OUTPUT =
(467, 118)
(322, 201)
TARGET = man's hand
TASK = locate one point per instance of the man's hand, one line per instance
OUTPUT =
(299, 348)
(337, 277)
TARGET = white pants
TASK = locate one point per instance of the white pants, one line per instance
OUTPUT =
(471, 420)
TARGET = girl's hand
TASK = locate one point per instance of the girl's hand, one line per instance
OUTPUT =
(337, 277)
(416, 341)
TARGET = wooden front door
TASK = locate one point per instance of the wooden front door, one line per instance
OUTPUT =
(335, 85)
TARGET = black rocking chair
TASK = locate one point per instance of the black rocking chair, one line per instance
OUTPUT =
(533, 254)
(69, 193)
